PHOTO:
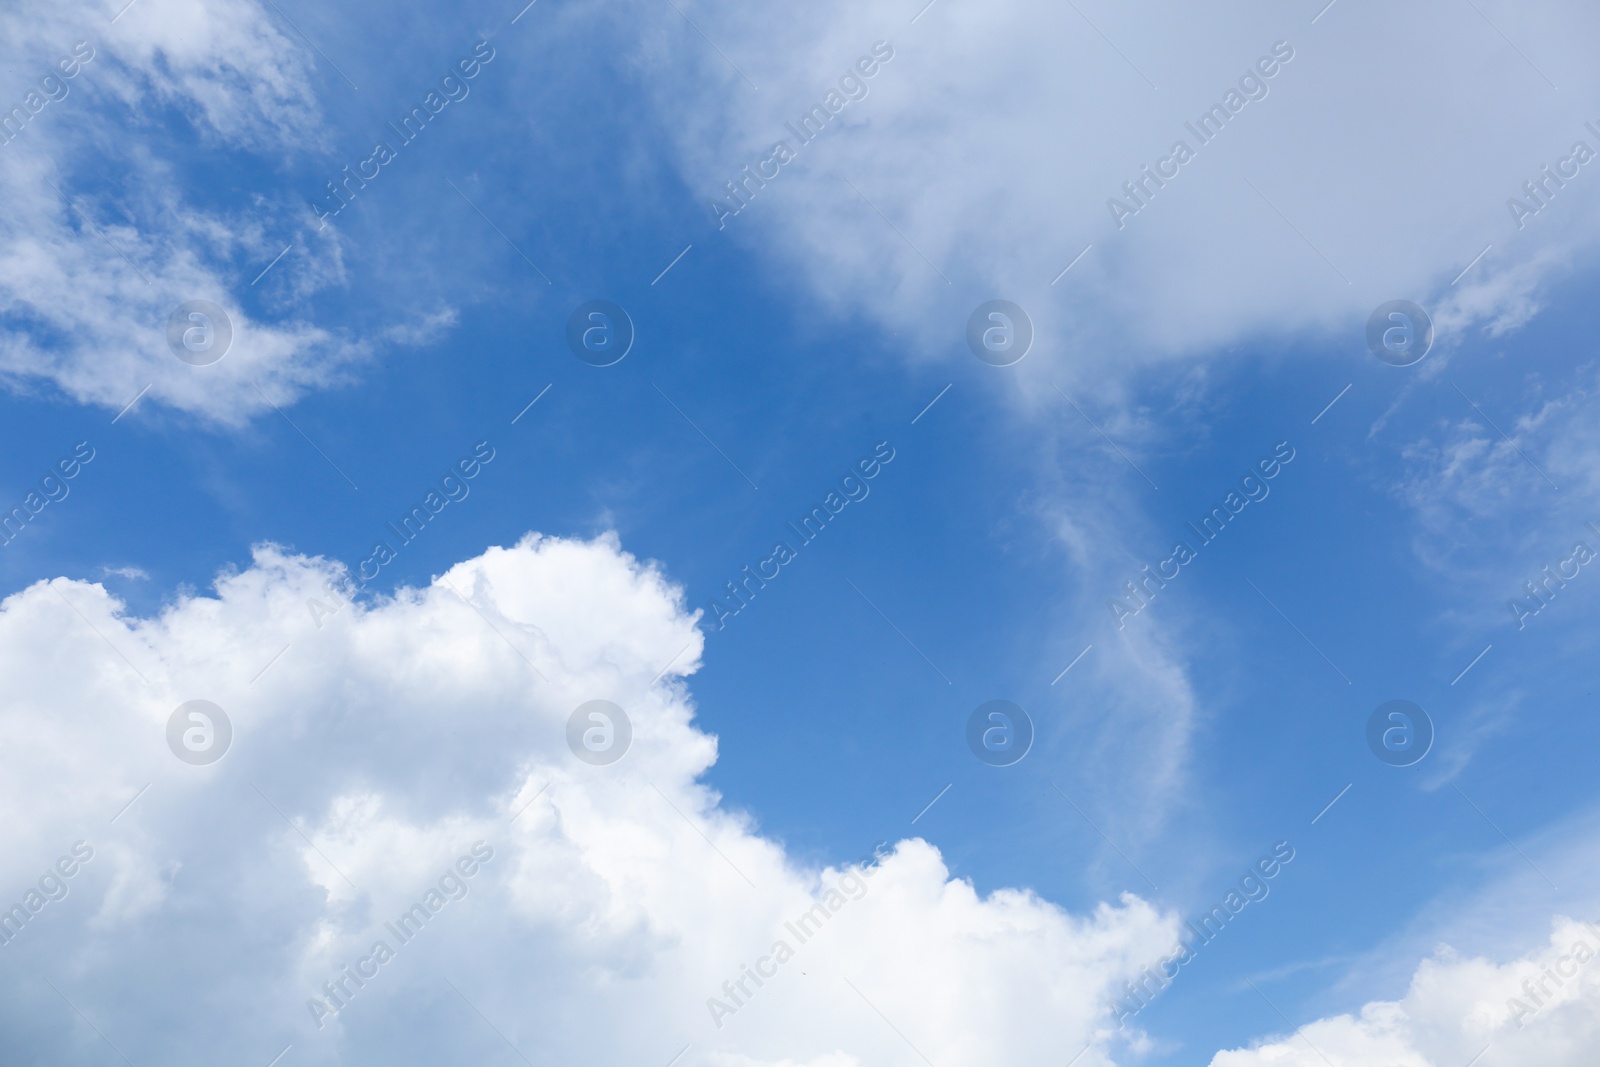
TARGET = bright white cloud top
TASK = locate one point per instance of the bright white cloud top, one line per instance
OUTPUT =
(1539, 1008)
(360, 861)
(400, 857)
(418, 748)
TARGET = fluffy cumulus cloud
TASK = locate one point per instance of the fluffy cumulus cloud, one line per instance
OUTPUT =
(1541, 1007)
(92, 270)
(400, 854)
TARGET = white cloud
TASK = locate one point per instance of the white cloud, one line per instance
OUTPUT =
(395, 736)
(1494, 503)
(1540, 1007)
(1138, 751)
(87, 287)
(225, 62)
(991, 142)
(995, 137)
(1473, 474)
(1485, 525)
(91, 324)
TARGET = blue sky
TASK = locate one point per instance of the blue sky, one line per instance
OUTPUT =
(825, 323)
